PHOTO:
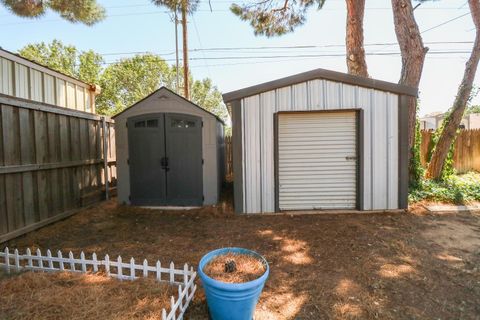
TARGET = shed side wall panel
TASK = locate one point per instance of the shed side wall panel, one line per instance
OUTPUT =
(380, 136)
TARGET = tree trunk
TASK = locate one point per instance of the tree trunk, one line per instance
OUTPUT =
(185, 50)
(452, 122)
(354, 38)
(413, 56)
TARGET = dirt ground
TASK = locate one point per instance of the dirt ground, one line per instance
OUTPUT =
(412, 265)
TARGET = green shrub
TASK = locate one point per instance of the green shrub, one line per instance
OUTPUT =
(458, 189)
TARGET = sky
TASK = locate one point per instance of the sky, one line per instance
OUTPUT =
(225, 49)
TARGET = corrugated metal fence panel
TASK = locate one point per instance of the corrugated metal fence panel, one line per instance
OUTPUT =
(314, 169)
(24, 79)
(380, 127)
(51, 162)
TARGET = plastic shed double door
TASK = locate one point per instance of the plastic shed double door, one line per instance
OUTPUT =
(165, 159)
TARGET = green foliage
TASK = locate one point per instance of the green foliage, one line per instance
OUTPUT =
(416, 170)
(472, 110)
(130, 80)
(175, 5)
(87, 12)
(273, 17)
(458, 189)
(83, 65)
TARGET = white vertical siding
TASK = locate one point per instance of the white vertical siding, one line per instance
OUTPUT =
(380, 134)
(251, 109)
(21, 81)
(71, 96)
(36, 85)
(24, 79)
(392, 136)
(61, 93)
(80, 101)
(49, 88)
(267, 109)
(365, 101)
(6, 76)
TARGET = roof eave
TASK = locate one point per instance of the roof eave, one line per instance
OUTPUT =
(321, 74)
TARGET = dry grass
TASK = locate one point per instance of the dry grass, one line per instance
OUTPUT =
(248, 268)
(81, 296)
(350, 266)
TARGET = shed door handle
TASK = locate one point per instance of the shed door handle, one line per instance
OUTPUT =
(351, 158)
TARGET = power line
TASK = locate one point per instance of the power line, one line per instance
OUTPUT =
(307, 56)
(260, 48)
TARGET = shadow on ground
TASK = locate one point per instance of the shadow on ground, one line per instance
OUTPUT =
(364, 266)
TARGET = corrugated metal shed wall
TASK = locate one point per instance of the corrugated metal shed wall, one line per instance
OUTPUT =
(380, 182)
(23, 79)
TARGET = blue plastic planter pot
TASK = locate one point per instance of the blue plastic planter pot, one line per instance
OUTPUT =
(231, 301)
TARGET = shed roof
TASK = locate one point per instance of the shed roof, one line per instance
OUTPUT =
(165, 89)
(321, 74)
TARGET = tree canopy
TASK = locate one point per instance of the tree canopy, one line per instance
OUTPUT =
(273, 17)
(124, 82)
(87, 12)
(83, 65)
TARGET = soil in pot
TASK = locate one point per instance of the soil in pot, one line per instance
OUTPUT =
(234, 268)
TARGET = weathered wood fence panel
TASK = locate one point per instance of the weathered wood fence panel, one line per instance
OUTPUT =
(466, 156)
(228, 159)
(52, 162)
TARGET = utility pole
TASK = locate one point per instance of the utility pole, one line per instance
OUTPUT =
(176, 52)
(185, 49)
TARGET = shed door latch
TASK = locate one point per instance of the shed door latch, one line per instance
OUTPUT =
(350, 158)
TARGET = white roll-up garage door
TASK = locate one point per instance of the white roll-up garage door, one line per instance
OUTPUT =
(317, 165)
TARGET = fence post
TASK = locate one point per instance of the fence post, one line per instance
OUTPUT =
(119, 268)
(95, 262)
(132, 268)
(7, 260)
(17, 260)
(105, 156)
(145, 268)
(60, 258)
(107, 265)
(29, 258)
(72, 262)
(50, 262)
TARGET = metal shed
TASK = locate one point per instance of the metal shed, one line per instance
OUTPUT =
(320, 140)
(169, 152)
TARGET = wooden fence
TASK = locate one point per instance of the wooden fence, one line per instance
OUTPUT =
(183, 278)
(466, 156)
(52, 162)
(228, 159)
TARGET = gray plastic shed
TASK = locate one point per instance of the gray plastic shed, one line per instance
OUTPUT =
(169, 152)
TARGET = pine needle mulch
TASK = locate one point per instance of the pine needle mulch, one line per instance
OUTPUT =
(247, 268)
(67, 295)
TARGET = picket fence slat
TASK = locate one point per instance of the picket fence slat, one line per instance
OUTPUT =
(38, 262)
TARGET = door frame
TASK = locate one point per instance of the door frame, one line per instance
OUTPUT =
(359, 145)
(162, 115)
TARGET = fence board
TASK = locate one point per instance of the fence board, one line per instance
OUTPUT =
(466, 156)
(49, 161)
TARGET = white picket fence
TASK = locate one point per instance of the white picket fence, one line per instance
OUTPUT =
(183, 278)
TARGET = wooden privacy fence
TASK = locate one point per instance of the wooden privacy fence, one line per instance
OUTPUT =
(466, 155)
(228, 159)
(52, 162)
(183, 278)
